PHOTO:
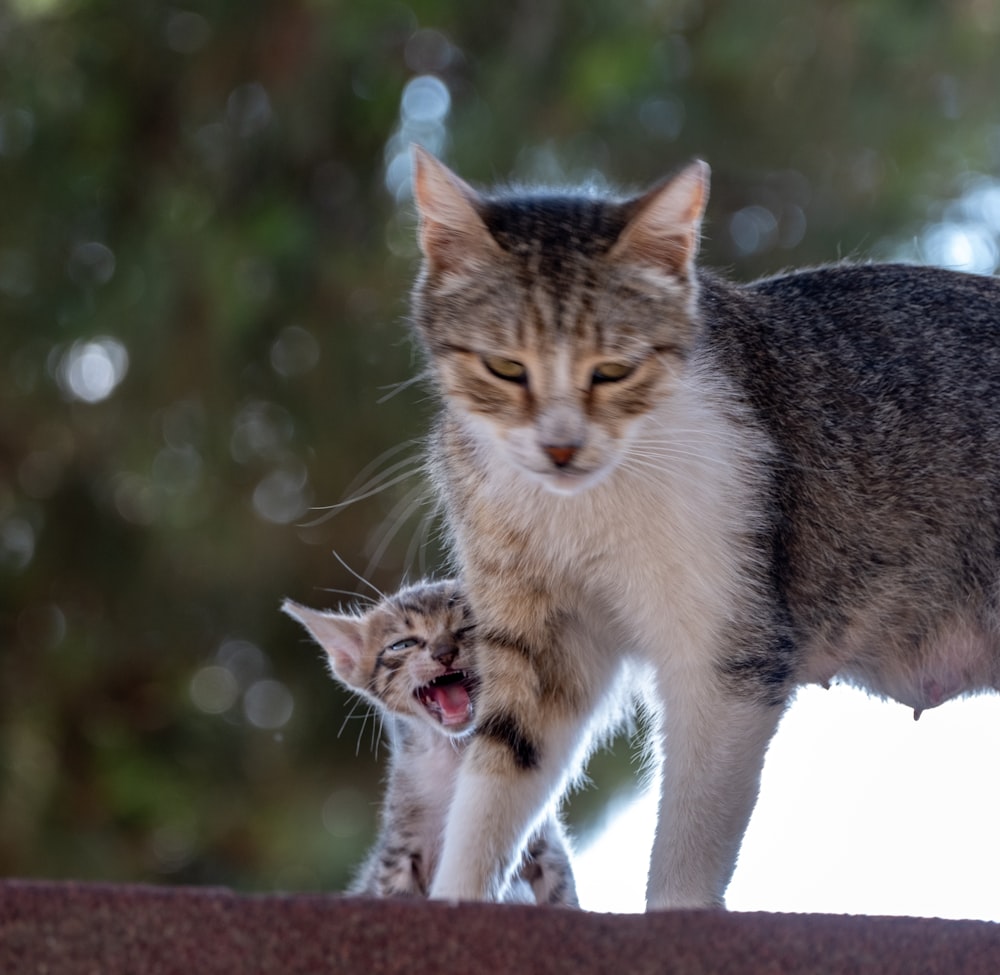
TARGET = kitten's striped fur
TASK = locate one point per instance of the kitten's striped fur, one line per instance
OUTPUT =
(411, 655)
(729, 490)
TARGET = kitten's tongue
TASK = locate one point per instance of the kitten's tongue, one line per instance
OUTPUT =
(453, 700)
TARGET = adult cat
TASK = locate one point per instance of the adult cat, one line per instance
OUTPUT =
(730, 490)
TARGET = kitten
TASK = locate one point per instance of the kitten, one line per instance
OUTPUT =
(411, 656)
(729, 490)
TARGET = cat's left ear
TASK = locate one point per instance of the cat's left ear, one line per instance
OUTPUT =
(452, 234)
(665, 227)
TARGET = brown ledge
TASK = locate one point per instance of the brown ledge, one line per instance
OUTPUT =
(63, 927)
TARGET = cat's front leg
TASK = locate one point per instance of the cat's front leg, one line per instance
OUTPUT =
(530, 738)
(506, 783)
(715, 745)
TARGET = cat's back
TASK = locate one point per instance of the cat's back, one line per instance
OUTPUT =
(867, 356)
(832, 286)
(854, 310)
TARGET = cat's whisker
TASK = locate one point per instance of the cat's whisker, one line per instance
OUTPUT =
(659, 465)
(396, 388)
(417, 550)
(388, 478)
(685, 463)
(393, 523)
(384, 482)
(707, 448)
(369, 469)
(674, 448)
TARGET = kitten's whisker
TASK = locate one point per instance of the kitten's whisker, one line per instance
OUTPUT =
(376, 728)
(381, 729)
(370, 713)
(378, 592)
(350, 715)
(351, 595)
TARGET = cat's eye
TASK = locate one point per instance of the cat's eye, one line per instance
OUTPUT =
(403, 644)
(611, 372)
(509, 369)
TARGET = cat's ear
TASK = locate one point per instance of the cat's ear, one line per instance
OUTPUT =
(452, 235)
(665, 227)
(342, 637)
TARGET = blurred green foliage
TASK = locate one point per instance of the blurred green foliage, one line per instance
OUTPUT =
(205, 247)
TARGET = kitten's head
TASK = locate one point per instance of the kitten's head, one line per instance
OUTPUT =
(411, 653)
(556, 322)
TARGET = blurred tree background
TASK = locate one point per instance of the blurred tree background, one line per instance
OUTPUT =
(206, 240)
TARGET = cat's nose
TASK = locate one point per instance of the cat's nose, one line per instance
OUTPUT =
(561, 454)
(444, 653)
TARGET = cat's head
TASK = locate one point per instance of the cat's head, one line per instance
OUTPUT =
(411, 653)
(555, 322)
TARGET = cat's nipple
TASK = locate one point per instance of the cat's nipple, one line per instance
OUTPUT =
(561, 454)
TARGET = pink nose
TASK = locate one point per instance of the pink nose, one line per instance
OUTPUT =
(445, 653)
(561, 454)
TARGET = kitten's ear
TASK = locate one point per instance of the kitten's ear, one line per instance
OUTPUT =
(665, 226)
(342, 637)
(452, 234)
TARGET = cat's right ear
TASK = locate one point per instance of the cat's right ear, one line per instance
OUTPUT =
(665, 227)
(340, 636)
(452, 235)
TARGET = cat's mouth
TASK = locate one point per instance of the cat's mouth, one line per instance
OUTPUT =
(448, 698)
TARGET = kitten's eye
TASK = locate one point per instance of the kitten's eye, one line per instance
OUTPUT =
(509, 369)
(403, 644)
(611, 372)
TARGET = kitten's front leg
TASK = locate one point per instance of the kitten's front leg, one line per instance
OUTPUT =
(715, 746)
(547, 867)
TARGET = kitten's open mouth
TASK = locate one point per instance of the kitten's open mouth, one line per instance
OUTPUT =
(448, 698)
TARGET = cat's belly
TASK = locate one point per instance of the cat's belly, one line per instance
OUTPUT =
(960, 659)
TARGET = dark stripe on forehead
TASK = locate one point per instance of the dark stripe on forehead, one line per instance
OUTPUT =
(553, 224)
(551, 236)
